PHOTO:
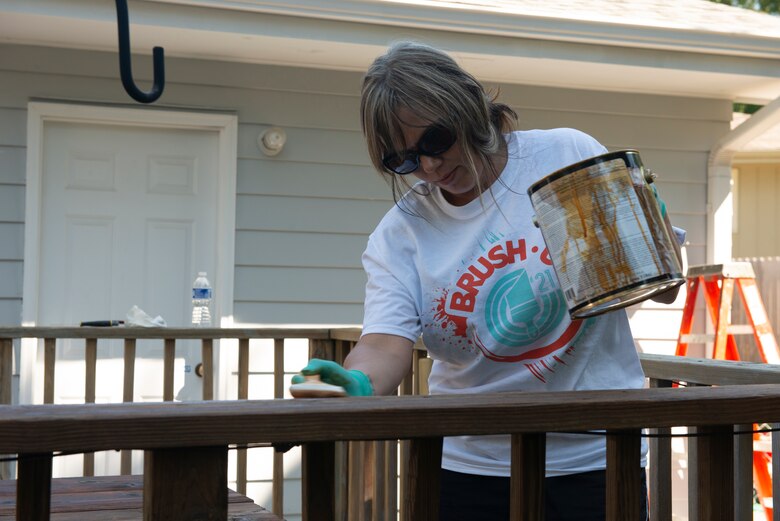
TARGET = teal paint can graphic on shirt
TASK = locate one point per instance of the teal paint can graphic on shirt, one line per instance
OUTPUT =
(515, 314)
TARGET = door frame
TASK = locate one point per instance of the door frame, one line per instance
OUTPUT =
(41, 112)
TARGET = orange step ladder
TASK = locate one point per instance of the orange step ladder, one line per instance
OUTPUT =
(717, 283)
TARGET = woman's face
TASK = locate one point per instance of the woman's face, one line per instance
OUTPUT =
(448, 170)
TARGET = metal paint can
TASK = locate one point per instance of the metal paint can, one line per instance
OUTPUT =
(608, 242)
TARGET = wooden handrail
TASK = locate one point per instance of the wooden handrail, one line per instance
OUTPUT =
(705, 371)
(161, 332)
(44, 428)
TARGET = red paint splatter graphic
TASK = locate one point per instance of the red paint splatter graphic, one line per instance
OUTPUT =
(539, 368)
(446, 319)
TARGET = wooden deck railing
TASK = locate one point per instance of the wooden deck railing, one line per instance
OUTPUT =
(186, 444)
(366, 453)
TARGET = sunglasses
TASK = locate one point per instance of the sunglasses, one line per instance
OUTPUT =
(435, 141)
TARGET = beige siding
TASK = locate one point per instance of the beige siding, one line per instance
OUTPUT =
(757, 220)
(303, 216)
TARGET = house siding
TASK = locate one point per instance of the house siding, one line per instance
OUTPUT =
(303, 216)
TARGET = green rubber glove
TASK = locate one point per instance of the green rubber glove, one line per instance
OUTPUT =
(661, 202)
(355, 382)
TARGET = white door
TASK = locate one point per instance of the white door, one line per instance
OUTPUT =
(128, 215)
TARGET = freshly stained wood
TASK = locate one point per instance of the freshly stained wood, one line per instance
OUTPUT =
(186, 484)
(527, 482)
(43, 428)
(623, 475)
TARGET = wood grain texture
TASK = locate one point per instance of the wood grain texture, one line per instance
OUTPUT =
(660, 465)
(160, 332)
(527, 482)
(33, 487)
(118, 498)
(424, 478)
(186, 484)
(43, 428)
(6, 370)
(715, 473)
(169, 361)
(623, 475)
(319, 481)
(708, 371)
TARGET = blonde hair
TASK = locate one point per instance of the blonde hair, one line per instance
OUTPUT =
(429, 83)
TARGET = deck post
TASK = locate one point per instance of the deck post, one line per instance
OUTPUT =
(186, 483)
(33, 487)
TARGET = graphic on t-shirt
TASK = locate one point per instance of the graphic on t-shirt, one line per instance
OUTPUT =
(515, 314)
(510, 314)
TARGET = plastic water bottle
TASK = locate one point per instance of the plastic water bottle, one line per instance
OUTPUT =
(201, 301)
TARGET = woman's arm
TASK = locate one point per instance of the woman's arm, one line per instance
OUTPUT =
(385, 359)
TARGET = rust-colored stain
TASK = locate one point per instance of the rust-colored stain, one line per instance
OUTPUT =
(593, 208)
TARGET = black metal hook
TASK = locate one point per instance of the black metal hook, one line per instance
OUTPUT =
(125, 67)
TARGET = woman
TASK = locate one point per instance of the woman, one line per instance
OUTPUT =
(459, 261)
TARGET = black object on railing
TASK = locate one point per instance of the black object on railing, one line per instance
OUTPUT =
(125, 68)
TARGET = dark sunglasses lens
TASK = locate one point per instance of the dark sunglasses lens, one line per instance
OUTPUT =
(436, 140)
(401, 165)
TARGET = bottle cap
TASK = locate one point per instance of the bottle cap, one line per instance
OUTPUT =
(201, 274)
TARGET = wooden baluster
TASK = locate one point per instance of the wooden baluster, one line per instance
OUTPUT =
(716, 472)
(278, 465)
(6, 370)
(186, 483)
(243, 394)
(90, 373)
(391, 479)
(341, 350)
(49, 358)
(6, 393)
(379, 482)
(424, 478)
(660, 463)
(527, 481)
(355, 478)
(207, 354)
(33, 487)
(322, 348)
(743, 473)
(404, 454)
(775, 469)
(623, 475)
(693, 470)
(126, 464)
(169, 361)
(341, 464)
(318, 474)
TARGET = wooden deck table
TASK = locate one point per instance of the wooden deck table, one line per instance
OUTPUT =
(112, 498)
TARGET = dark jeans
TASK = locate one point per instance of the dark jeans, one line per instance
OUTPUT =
(575, 497)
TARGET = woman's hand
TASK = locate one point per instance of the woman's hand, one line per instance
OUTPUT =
(355, 382)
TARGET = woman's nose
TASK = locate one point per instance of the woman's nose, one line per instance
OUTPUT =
(429, 164)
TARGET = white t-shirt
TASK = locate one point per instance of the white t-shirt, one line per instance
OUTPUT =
(477, 282)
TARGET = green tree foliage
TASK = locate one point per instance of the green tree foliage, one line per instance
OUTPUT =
(768, 6)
